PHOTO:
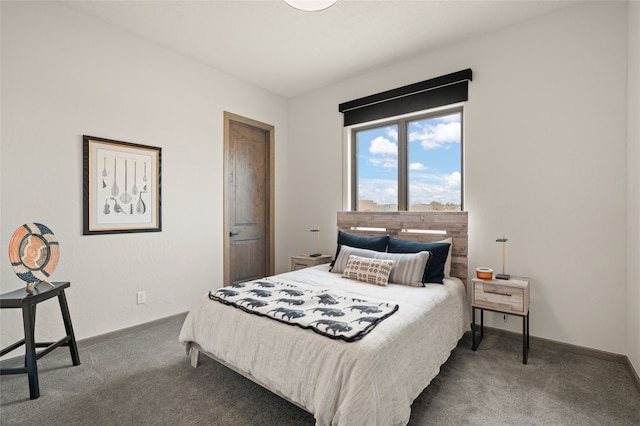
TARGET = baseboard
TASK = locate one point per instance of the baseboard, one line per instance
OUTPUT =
(575, 349)
(634, 373)
(133, 329)
(107, 336)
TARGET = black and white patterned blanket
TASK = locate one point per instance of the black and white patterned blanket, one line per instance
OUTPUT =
(327, 312)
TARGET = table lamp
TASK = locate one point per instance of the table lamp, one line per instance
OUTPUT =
(502, 276)
(317, 232)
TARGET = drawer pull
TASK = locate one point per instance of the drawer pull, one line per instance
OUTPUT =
(497, 292)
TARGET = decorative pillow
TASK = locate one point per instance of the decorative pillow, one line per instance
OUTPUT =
(359, 241)
(440, 262)
(372, 271)
(408, 270)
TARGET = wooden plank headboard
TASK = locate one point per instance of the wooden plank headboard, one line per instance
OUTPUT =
(415, 226)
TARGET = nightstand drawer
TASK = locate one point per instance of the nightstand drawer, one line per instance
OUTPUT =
(298, 264)
(499, 297)
(301, 262)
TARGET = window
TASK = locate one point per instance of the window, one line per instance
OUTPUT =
(411, 163)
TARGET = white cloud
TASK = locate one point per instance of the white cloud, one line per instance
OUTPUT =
(424, 189)
(381, 191)
(417, 166)
(392, 132)
(383, 146)
(453, 181)
(431, 137)
(384, 162)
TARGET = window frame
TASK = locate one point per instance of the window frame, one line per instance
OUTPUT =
(403, 152)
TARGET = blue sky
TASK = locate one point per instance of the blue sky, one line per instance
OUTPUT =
(434, 161)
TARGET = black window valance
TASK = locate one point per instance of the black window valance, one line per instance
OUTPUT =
(432, 93)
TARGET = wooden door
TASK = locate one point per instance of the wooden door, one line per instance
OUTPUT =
(248, 199)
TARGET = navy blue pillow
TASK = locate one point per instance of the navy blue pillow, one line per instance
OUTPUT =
(358, 241)
(434, 272)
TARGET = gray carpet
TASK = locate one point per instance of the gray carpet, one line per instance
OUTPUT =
(143, 377)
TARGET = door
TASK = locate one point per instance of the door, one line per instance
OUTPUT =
(248, 199)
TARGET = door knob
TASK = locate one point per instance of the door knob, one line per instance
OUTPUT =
(231, 234)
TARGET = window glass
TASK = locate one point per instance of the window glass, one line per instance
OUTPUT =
(377, 168)
(434, 158)
(409, 164)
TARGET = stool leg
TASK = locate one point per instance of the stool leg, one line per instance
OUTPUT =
(32, 322)
(28, 319)
(73, 347)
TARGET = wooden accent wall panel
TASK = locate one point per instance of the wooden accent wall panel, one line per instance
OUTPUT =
(412, 226)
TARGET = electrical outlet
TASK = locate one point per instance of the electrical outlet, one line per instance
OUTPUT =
(141, 297)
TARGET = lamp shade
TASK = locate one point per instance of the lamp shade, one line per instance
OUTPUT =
(310, 5)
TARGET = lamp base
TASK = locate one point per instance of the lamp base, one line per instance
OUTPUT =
(503, 276)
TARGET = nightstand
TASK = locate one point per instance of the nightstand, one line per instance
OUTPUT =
(505, 296)
(301, 262)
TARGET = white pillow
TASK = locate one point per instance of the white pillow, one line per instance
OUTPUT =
(408, 269)
(364, 269)
(447, 264)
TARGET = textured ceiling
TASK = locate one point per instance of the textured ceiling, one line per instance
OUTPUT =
(290, 52)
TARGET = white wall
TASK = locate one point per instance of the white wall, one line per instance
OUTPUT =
(545, 162)
(633, 165)
(65, 74)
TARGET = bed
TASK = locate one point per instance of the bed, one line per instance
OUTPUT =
(373, 379)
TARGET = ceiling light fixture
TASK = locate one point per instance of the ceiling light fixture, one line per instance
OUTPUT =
(310, 5)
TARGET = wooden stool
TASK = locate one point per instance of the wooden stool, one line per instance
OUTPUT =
(22, 299)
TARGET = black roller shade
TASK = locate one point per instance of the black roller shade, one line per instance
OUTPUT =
(439, 91)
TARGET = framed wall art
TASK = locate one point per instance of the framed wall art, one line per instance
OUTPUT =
(121, 185)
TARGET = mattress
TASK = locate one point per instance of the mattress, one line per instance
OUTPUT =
(372, 381)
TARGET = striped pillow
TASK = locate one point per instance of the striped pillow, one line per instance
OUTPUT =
(372, 271)
(408, 270)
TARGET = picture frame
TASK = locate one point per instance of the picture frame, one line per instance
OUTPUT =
(121, 187)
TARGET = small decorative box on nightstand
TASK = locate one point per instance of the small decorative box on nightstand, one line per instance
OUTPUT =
(301, 262)
(506, 296)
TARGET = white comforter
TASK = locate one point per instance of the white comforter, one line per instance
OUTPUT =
(372, 381)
